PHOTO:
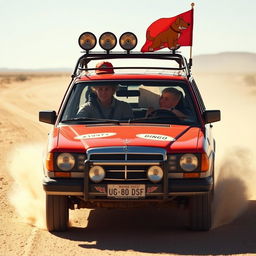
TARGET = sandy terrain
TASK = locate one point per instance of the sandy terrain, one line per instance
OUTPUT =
(126, 232)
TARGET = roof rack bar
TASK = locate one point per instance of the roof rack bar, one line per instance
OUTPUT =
(87, 57)
(162, 68)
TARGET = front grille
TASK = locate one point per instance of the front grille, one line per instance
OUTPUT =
(128, 157)
(126, 163)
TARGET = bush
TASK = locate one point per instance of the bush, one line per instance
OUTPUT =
(21, 78)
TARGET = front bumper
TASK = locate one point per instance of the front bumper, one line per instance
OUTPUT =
(175, 187)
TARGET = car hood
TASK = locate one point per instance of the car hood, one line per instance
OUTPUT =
(82, 137)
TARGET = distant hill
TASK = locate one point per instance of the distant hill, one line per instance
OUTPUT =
(227, 62)
(43, 70)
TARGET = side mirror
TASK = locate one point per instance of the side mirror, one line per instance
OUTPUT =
(47, 117)
(211, 116)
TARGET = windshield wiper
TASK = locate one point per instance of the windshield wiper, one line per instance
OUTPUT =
(87, 119)
(149, 119)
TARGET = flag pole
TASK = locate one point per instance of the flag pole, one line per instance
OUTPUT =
(190, 57)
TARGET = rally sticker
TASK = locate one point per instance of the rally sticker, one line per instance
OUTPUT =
(155, 137)
(95, 135)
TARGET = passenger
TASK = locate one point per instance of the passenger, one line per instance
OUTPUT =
(168, 101)
(105, 105)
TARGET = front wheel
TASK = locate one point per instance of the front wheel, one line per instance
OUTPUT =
(201, 212)
(57, 213)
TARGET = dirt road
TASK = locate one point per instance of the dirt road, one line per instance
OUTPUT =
(125, 232)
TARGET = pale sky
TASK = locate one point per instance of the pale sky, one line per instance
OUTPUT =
(44, 33)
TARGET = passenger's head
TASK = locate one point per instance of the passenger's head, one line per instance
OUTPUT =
(170, 98)
(105, 93)
(104, 67)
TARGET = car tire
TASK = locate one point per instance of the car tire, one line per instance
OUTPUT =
(57, 213)
(201, 212)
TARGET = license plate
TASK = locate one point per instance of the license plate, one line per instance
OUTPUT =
(126, 191)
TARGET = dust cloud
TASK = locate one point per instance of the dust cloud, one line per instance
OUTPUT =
(235, 167)
(234, 186)
(27, 195)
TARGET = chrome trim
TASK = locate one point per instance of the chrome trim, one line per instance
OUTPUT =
(124, 179)
(77, 174)
(127, 150)
(175, 175)
(97, 194)
(126, 163)
(64, 193)
(154, 194)
(72, 175)
(124, 170)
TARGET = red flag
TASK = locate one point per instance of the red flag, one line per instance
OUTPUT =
(170, 32)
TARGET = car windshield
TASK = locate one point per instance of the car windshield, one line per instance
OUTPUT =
(167, 102)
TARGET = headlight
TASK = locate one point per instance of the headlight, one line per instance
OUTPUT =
(188, 162)
(65, 161)
(155, 174)
(96, 174)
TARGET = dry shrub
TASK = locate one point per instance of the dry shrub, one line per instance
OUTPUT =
(21, 78)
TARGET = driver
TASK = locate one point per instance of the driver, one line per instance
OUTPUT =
(168, 101)
(105, 105)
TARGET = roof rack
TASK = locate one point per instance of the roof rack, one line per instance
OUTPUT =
(82, 63)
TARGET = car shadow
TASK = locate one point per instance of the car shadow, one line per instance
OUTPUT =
(163, 231)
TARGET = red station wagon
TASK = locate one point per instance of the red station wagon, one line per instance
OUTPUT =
(149, 156)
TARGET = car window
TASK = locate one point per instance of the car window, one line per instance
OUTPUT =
(139, 95)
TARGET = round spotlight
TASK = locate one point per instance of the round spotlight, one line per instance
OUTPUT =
(107, 41)
(96, 174)
(155, 173)
(87, 41)
(128, 41)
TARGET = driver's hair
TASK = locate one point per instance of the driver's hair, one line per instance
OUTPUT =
(173, 91)
(94, 88)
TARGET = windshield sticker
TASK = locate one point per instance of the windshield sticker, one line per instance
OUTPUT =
(95, 135)
(155, 137)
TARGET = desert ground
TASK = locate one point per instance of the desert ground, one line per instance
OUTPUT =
(125, 232)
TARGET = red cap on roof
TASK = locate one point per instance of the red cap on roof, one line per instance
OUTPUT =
(104, 68)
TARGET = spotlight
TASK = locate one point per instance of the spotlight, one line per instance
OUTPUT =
(87, 41)
(107, 41)
(128, 41)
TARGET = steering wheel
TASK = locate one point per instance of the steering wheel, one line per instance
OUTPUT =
(164, 113)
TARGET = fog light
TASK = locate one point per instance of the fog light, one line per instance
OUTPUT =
(155, 174)
(87, 41)
(107, 41)
(96, 174)
(128, 41)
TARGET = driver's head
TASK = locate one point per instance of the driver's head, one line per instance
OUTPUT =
(170, 98)
(104, 67)
(105, 93)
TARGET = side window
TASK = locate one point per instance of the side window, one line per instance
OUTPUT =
(198, 96)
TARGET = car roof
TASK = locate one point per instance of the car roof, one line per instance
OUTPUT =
(131, 77)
